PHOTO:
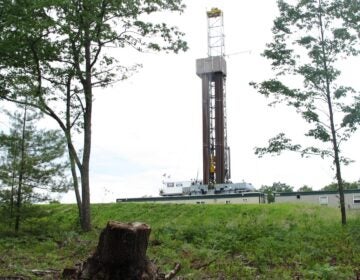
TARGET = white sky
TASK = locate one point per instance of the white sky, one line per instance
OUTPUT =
(151, 124)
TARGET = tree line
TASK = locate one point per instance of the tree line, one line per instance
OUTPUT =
(278, 187)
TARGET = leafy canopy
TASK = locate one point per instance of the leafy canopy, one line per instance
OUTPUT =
(41, 165)
(309, 39)
(276, 187)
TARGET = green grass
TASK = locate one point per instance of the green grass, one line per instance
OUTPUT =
(210, 241)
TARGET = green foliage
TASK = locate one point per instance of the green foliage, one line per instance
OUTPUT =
(346, 185)
(309, 38)
(305, 188)
(276, 187)
(277, 144)
(44, 166)
(352, 117)
(210, 241)
(52, 41)
(32, 167)
(53, 54)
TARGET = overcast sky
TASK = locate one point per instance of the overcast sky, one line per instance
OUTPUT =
(151, 124)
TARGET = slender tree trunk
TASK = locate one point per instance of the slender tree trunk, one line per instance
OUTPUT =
(74, 159)
(12, 195)
(13, 175)
(75, 184)
(85, 174)
(332, 124)
(85, 182)
(21, 174)
(12, 200)
(70, 151)
(85, 205)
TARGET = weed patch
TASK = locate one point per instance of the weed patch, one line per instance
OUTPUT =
(210, 241)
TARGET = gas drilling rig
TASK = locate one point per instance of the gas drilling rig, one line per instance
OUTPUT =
(212, 71)
(215, 149)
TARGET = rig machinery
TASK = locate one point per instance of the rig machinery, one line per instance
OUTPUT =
(216, 152)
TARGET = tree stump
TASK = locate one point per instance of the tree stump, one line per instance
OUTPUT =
(120, 254)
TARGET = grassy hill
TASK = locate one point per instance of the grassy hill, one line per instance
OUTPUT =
(210, 241)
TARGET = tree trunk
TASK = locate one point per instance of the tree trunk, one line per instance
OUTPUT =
(85, 181)
(13, 176)
(120, 254)
(12, 196)
(332, 125)
(21, 173)
(75, 184)
(341, 190)
(71, 152)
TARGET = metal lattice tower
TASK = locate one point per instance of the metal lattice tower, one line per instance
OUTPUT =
(212, 71)
(216, 36)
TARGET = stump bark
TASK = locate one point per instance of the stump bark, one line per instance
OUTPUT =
(120, 254)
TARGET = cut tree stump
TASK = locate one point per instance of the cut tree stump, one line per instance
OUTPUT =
(120, 254)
